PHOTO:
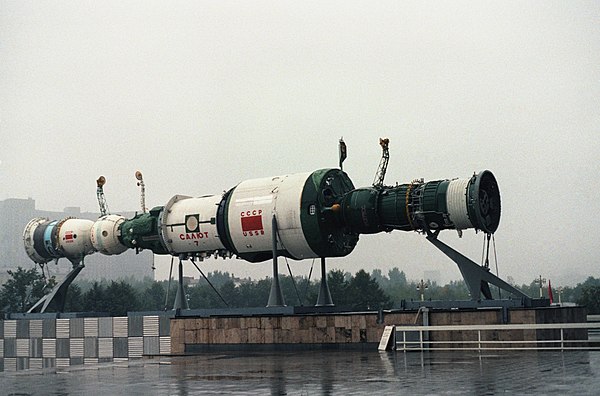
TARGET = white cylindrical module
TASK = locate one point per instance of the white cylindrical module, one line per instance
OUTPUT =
(288, 211)
(189, 225)
(105, 235)
(47, 240)
(456, 201)
(250, 212)
(73, 238)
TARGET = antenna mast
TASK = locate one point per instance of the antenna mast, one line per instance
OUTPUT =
(343, 151)
(138, 175)
(385, 158)
(100, 194)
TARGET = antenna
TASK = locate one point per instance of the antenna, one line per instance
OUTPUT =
(100, 194)
(140, 178)
(385, 158)
(343, 152)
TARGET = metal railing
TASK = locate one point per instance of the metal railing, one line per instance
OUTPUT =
(554, 336)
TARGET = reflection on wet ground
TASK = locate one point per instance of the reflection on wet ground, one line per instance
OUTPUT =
(315, 373)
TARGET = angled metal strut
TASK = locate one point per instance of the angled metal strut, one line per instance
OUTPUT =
(58, 295)
(476, 277)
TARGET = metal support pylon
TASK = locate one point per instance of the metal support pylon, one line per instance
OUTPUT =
(324, 299)
(477, 278)
(180, 299)
(275, 296)
(59, 292)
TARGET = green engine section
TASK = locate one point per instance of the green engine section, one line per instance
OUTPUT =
(420, 206)
(141, 232)
(415, 206)
(373, 210)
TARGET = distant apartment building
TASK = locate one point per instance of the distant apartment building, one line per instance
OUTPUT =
(16, 213)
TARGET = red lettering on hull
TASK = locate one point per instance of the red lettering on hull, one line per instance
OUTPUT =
(193, 235)
(254, 233)
(253, 212)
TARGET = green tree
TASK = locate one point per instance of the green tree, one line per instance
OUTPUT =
(397, 277)
(455, 290)
(74, 299)
(255, 294)
(338, 286)
(116, 299)
(381, 279)
(95, 299)
(122, 298)
(153, 297)
(202, 296)
(23, 289)
(397, 287)
(218, 278)
(230, 293)
(309, 291)
(590, 298)
(364, 293)
(577, 292)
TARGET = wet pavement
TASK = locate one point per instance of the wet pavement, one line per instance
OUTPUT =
(322, 373)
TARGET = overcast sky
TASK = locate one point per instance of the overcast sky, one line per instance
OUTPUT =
(202, 95)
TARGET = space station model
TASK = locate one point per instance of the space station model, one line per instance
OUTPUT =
(307, 215)
(319, 214)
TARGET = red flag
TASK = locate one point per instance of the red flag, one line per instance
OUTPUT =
(252, 223)
(550, 291)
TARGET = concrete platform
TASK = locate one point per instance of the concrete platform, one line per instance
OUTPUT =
(356, 330)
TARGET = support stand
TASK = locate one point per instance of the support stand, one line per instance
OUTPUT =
(169, 284)
(324, 299)
(275, 296)
(58, 295)
(476, 277)
(180, 300)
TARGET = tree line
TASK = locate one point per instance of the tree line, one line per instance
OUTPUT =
(361, 291)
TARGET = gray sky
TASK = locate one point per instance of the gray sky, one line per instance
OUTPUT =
(202, 95)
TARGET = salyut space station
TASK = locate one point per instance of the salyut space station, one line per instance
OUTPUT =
(316, 214)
